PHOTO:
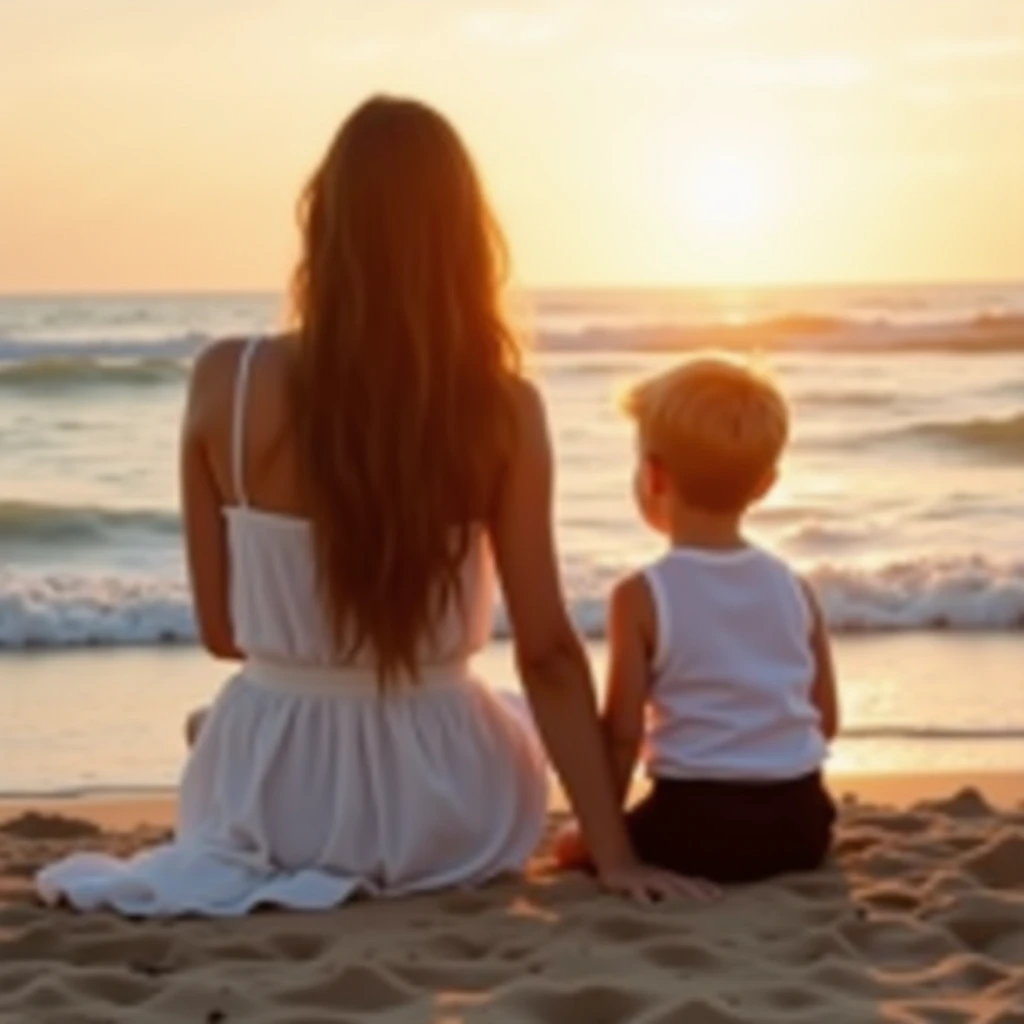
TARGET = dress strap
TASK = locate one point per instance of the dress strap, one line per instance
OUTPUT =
(238, 420)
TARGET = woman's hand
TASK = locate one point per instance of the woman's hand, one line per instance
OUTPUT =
(653, 885)
(632, 879)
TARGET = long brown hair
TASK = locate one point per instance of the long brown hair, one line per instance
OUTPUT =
(404, 365)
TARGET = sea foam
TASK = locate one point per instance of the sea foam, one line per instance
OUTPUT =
(69, 609)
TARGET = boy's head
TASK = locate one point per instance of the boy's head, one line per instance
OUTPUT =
(711, 432)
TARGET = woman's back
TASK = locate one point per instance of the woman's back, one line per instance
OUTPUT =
(275, 598)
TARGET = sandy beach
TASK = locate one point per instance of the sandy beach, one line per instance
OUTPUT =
(920, 919)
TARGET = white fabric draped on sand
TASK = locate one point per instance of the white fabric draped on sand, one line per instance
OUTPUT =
(306, 788)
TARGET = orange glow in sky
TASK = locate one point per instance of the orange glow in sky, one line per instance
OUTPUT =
(149, 145)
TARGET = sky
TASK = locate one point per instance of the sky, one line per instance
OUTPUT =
(148, 145)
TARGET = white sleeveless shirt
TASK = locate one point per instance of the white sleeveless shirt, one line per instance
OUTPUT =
(733, 669)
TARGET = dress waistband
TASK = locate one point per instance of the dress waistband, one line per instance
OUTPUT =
(290, 677)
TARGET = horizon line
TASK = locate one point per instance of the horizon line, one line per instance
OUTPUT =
(619, 287)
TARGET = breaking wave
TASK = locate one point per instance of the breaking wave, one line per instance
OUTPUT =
(999, 436)
(53, 610)
(66, 372)
(26, 522)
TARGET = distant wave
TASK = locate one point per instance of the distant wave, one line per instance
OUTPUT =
(977, 336)
(65, 372)
(171, 348)
(66, 609)
(33, 522)
(794, 514)
(817, 533)
(912, 732)
(793, 333)
(996, 435)
(825, 398)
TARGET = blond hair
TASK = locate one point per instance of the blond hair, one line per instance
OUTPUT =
(717, 427)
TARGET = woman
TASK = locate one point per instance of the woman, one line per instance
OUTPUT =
(345, 488)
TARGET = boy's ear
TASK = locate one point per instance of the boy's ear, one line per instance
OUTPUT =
(657, 475)
(766, 483)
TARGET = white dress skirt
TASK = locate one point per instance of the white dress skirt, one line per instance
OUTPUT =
(307, 785)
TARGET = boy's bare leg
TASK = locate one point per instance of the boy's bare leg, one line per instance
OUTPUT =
(569, 849)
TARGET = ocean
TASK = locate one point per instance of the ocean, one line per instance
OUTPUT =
(901, 498)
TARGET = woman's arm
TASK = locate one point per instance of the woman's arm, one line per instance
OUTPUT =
(630, 643)
(551, 660)
(824, 692)
(202, 503)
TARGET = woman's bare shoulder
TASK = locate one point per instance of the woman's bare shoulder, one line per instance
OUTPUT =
(528, 406)
(215, 369)
(215, 364)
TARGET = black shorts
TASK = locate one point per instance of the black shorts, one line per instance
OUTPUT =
(734, 831)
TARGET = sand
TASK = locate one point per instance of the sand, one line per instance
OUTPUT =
(921, 918)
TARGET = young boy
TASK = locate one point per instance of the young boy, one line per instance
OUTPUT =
(718, 645)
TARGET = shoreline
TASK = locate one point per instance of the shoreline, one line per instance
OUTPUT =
(127, 809)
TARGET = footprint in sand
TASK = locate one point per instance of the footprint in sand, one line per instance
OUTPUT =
(50, 993)
(935, 1011)
(854, 841)
(818, 945)
(788, 998)
(592, 1004)
(18, 977)
(999, 864)
(114, 986)
(467, 903)
(626, 927)
(906, 823)
(899, 942)
(845, 977)
(967, 803)
(98, 946)
(987, 923)
(40, 941)
(357, 988)
(889, 863)
(692, 1011)
(454, 976)
(450, 946)
(299, 945)
(891, 896)
(202, 998)
(15, 916)
(964, 974)
(682, 956)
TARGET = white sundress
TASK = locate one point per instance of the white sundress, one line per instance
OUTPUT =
(306, 785)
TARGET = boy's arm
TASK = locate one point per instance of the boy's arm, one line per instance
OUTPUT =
(824, 692)
(631, 628)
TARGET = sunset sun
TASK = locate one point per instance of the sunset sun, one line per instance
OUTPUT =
(729, 192)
